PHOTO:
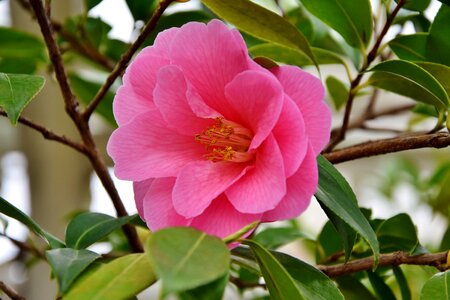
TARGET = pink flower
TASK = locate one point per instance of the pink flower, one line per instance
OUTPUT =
(211, 139)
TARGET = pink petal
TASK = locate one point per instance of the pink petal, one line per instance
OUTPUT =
(222, 219)
(163, 42)
(140, 188)
(262, 187)
(210, 56)
(307, 92)
(158, 208)
(291, 136)
(257, 99)
(170, 98)
(146, 148)
(300, 188)
(128, 104)
(202, 181)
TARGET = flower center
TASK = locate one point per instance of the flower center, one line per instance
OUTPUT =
(226, 141)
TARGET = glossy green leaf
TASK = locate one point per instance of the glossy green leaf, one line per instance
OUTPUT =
(437, 287)
(328, 243)
(210, 291)
(15, 213)
(353, 22)
(397, 234)
(380, 287)
(338, 91)
(88, 228)
(440, 72)
(410, 80)
(335, 193)
(416, 5)
(438, 42)
(16, 91)
(279, 283)
(353, 289)
(261, 23)
(16, 44)
(178, 257)
(410, 47)
(119, 279)
(275, 237)
(402, 283)
(67, 264)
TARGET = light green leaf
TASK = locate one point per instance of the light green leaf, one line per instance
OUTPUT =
(440, 72)
(16, 91)
(210, 291)
(335, 193)
(279, 283)
(178, 256)
(353, 22)
(410, 47)
(15, 44)
(261, 23)
(119, 279)
(397, 234)
(409, 79)
(88, 228)
(437, 288)
(338, 91)
(15, 213)
(67, 264)
(275, 237)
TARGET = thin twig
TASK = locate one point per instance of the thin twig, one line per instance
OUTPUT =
(25, 247)
(437, 260)
(126, 58)
(402, 143)
(10, 292)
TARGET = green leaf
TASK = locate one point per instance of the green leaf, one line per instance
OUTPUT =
(88, 228)
(17, 65)
(97, 31)
(438, 42)
(353, 289)
(211, 291)
(402, 283)
(261, 23)
(178, 256)
(141, 9)
(16, 91)
(353, 22)
(67, 264)
(15, 213)
(328, 243)
(410, 47)
(275, 237)
(335, 193)
(338, 91)
(445, 243)
(437, 288)
(397, 234)
(119, 279)
(446, 2)
(440, 72)
(15, 44)
(409, 79)
(89, 4)
(416, 5)
(279, 283)
(381, 288)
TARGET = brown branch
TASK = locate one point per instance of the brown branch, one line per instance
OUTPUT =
(126, 57)
(25, 247)
(437, 260)
(402, 143)
(10, 292)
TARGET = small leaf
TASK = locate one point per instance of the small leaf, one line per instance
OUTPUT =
(89, 4)
(410, 47)
(261, 23)
(328, 243)
(275, 237)
(397, 234)
(67, 264)
(178, 256)
(141, 9)
(119, 279)
(337, 90)
(15, 213)
(279, 283)
(437, 288)
(381, 288)
(16, 91)
(440, 72)
(408, 79)
(402, 283)
(353, 22)
(353, 289)
(335, 193)
(88, 228)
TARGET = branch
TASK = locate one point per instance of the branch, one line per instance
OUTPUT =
(416, 141)
(126, 57)
(25, 247)
(10, 292)
(437, 260)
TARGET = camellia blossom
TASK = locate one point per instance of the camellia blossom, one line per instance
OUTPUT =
(213, 140)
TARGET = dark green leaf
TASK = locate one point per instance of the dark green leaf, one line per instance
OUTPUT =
(275, 237)
(337, 90)
(67, 264)
(328, 243)
(211, 291)
(141, 9)
(353, 289)
(381, 288)
(445, 243)
(16, 91)
(437, 288)
(279, 283)
(97, 31)
(438, 42)
(178, 256)
(397, 234)
(15, 213)
(335, 193)
(261, 23)
(353, 22)
(402, 283)
(409, 79)
(119, 279)
(410, 47)
(88, 228)
(89, 4)
(17, 65)
(115, 48)
(446, 2)
(416, 5)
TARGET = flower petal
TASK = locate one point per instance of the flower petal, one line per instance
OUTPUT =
(262, 187)
(128, 104)
(308, 93)
(222, 219)
(146, 148)
(257, 99)
(202, 181)
(300, 188)
(158, 207)
(210, 56)
(140, 188)
(291, 136)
